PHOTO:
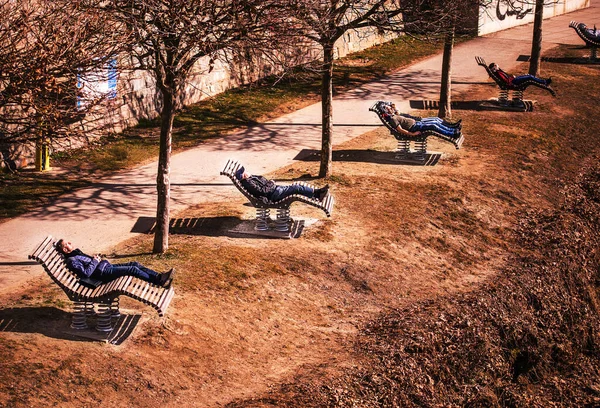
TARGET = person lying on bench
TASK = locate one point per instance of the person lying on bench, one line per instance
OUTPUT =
(261, 187)
(409, 125)
(512, 80)
(391, 110)
(95, 267)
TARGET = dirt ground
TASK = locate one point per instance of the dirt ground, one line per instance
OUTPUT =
(252, 315)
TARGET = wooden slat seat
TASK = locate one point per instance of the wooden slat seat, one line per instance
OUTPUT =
(592, 41)
(54, 264)
(282, 205)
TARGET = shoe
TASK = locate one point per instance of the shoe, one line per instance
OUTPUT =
(321, 193)
(166, 278)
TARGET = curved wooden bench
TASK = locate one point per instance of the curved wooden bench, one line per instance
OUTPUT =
(264, 206)
(106, 295)
(420, 141)
(591, 41)
(505, 87)
(581, 30)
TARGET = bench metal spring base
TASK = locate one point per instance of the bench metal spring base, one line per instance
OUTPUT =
(518, 96)
(282, 222)
(403, 149)
(262, 219)
(421, 150)
(78, 320)
(104, 323)
(114, 308)
(503, 96)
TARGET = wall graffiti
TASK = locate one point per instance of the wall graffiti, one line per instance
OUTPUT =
(511, 8)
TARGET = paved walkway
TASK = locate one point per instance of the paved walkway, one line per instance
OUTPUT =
(100, 216)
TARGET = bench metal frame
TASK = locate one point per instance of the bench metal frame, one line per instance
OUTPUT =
(105, 295)
(263, 209)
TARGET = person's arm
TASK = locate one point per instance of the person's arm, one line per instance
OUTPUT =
(406, 132)
(80, 267)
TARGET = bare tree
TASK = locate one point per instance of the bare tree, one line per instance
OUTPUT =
(452, 17)
(170, 36)
(536, 41)
(44, 46)
(324, 22)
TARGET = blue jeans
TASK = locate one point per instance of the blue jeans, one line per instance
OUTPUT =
(522, 78)
(127, 269)
(282, 192)
(434, 126)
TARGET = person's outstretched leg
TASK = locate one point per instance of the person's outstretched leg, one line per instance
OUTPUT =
(130, 269)
(439, 128)
(440, 121)
(528, 77)
(282, 192)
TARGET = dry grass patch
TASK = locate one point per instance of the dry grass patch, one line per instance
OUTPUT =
(269, 322)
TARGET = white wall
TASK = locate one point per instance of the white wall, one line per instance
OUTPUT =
(502, 14)
(138, 97)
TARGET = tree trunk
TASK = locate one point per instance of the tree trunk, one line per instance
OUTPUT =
(327, 111)
(536, 43)
(446, 86)
(163, 182)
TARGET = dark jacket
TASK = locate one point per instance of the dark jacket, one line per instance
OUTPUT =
(259, 186)
(84, 265)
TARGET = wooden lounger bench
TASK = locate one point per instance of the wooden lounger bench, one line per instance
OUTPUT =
(282, 222)
(106, 295)
(505, 88)
(591, 41)
(420, 142)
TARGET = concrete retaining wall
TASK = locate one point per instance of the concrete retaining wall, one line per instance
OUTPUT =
(138, 95)
(502, 14)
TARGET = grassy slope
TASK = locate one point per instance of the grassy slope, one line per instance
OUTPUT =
(376, 290)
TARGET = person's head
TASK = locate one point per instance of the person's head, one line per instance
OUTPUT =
(493, 66)
(241, 173)
(64, 247)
